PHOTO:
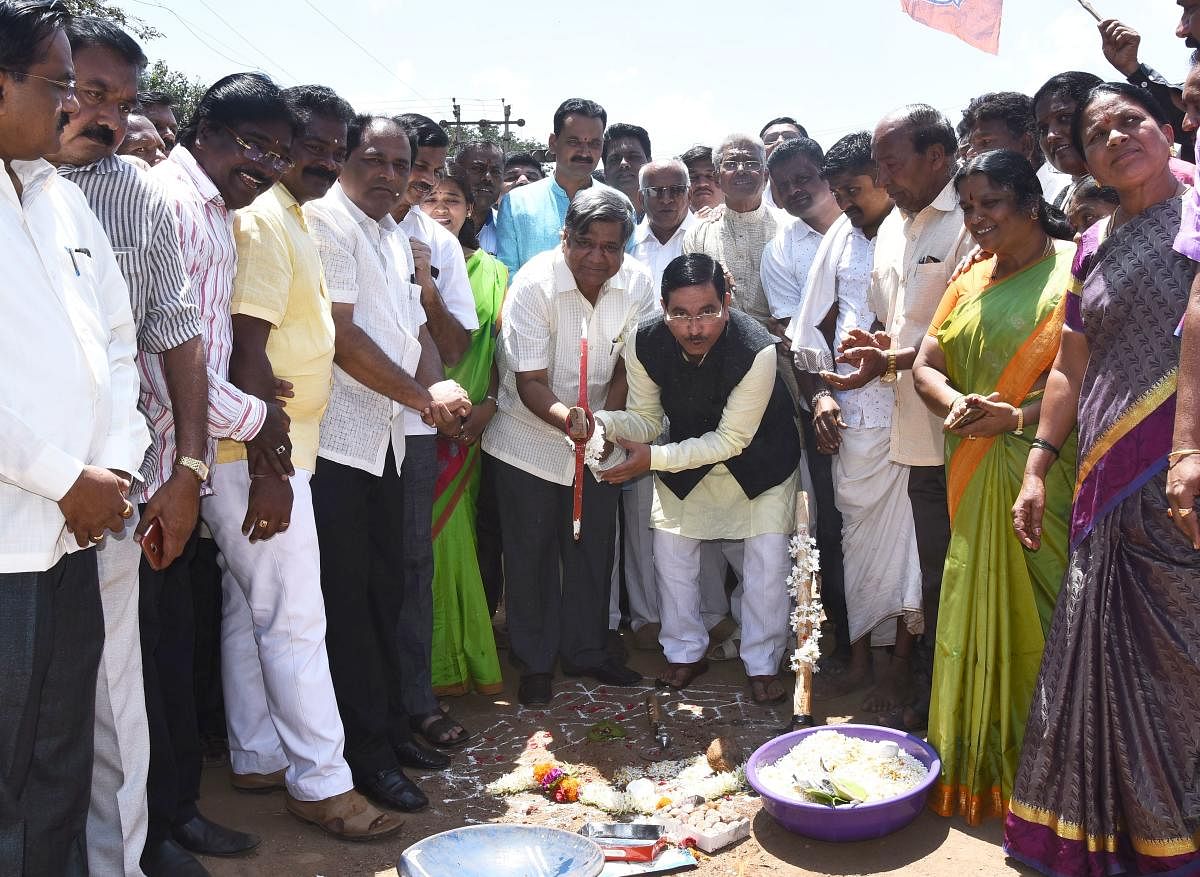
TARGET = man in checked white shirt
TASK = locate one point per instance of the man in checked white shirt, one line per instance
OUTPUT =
(71, 439)
(385, 366)
(556, 587)
(174, 399)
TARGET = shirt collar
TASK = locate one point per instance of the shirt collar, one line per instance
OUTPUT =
(385, 226)
(642, 233)
(110, 164)
(196, 174)
(34, 175)
(945, 202)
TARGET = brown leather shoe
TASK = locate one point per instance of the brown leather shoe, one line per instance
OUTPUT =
(348, 816)
(259, 783)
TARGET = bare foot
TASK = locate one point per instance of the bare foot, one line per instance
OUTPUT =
(893, 689)
(834, 685)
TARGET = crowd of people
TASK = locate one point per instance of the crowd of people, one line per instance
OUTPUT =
(306, 395)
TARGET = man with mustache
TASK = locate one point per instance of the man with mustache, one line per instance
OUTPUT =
(705, 194)
(626, 149)
(531, 218)
(727, 472)
(284, 728)
(174, 390)
(774, 134)
(1006, 120)
(234, 149)
(385, 365)
(450, 317)
(71, 440)
(142, 140)
(482, 161)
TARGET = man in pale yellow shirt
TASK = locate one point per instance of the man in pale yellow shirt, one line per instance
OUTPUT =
(284, 728)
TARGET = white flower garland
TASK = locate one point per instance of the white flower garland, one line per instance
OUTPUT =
(806, 567)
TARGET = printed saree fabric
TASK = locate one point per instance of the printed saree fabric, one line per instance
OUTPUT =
(464, 650)
(997, 598)
(1109, 777)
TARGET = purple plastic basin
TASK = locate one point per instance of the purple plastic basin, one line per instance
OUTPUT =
(848, 823)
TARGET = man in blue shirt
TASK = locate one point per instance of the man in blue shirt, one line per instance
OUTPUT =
(531, 217)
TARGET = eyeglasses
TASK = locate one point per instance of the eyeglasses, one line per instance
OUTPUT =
(733, 164)
(664, 191)
(65, 86)
(281, 164)
(703, 318)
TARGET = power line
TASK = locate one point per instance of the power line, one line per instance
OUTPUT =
(199, 38)
(272, 61)
(364, 49)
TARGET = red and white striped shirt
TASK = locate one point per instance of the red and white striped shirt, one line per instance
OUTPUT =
(210, 257)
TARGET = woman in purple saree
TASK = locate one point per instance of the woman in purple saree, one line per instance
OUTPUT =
(1109, 776)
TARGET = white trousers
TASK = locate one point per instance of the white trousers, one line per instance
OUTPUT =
(765, 603)
(279, 700)
(117, 815)
(637, 500)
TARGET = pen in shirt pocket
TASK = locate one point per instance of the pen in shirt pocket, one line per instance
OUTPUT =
(929, 260)
(75, 264)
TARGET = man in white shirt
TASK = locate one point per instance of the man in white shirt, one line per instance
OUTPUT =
(71, 439)
(773, 135)
(657, 240)
(482, 161)
(882, 573)
(450, 318)
(385, 365)
(916, 251)
(557, 586)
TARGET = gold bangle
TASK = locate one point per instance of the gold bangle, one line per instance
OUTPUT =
(1175, 456)
(1020, 430)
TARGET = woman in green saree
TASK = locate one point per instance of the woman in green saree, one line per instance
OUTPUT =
(983, 367)
(464, 650)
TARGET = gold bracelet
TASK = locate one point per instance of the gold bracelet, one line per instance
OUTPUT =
(1175, 456)
(1020, 430)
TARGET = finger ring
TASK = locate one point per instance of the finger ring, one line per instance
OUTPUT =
(972, 437)
(1183, 513)
(283, 525)
(264, 523)
(96, 540)
(127, 512)
(281, 450)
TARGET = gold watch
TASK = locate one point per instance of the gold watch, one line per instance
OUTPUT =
(196, 467)
(889, 376)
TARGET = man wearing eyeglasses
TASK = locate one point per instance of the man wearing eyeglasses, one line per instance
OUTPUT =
(235, 148)
(728, 472)
(71, 440)
(284, 728)
(531, 217)
(174, 390)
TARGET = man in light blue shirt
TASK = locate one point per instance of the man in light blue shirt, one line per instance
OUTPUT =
(531, 217)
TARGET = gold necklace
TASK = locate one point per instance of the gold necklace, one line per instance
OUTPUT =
(1046, 251)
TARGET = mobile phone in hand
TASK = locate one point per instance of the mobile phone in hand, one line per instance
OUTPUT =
(970, 415)
(152, 544)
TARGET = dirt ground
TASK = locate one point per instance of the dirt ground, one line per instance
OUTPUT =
(717, 704)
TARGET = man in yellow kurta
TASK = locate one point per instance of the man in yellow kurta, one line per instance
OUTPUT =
(728, 472)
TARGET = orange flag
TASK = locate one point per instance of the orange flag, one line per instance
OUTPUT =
(976, 22)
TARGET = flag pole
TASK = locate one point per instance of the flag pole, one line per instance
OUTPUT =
(1090, 9)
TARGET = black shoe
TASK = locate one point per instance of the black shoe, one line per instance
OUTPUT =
(414, 755)
(535, 689)
(610, 673)
(614, 646)
(203, 836)
(169, 859)
(391, 788)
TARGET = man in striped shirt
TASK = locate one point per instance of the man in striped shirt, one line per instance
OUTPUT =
(134, 213)
(233, 150)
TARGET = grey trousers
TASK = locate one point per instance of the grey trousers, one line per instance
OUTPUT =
(51, 633)
(415, 628)
(117, 818)
(556, 590)
(927, 492)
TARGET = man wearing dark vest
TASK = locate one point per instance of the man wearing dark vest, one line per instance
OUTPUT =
(728, 472)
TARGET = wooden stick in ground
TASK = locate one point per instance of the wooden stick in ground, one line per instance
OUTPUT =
(802, 716)
(1091, 10)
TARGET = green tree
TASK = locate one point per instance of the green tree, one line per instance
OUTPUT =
(492, 134)
(186, 92)
(118, 16)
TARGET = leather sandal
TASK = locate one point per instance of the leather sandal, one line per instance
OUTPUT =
(348, 816)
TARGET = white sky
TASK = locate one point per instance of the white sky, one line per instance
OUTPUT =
(688, 72)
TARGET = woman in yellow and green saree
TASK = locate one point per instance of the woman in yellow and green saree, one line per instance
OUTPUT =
(983, 367)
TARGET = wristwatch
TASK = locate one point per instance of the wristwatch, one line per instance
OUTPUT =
(196, 467)
(889, 376)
